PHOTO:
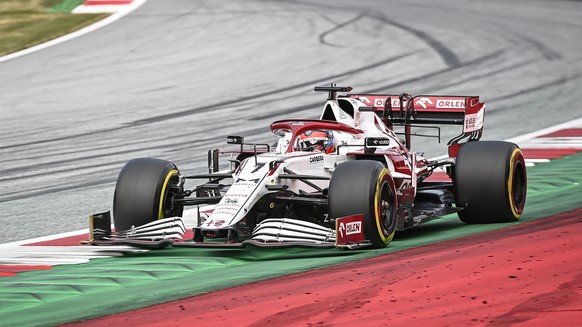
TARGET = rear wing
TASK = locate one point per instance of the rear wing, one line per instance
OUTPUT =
(427, 109)
(412, 111)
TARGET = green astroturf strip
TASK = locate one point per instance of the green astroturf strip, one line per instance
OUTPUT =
(66, 6)
(105, 286)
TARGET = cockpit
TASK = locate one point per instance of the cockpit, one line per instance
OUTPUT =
(324, 137)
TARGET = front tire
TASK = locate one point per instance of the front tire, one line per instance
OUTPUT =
(490, 182)
(365, 187)
(145, 191)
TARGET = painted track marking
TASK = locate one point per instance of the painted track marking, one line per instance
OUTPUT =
(119, 13)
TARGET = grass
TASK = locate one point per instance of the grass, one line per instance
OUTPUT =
(25, 23)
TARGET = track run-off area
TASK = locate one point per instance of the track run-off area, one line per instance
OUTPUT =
(443, 272)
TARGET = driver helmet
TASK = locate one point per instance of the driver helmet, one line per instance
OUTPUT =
(321, 141)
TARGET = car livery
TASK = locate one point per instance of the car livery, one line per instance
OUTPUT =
(349, 179)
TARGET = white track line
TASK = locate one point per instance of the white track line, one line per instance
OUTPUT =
(93, 27)
(577, 123)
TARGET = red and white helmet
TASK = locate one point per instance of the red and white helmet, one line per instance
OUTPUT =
(316, 140)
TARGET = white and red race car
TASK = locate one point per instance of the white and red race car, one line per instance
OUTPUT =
(345, 180)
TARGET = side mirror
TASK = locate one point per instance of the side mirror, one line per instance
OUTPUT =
(372, 142)
(234, 139)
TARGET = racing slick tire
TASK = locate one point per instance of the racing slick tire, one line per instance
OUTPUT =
(145, 191)
(365, 187)
(490, 182)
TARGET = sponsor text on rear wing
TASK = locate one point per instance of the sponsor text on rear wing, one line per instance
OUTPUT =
(428, 109)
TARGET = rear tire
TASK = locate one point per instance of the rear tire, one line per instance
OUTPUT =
(365, 187)
(145, 191)
(490, 182)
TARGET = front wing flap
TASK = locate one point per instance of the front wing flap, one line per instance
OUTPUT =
(154, 235)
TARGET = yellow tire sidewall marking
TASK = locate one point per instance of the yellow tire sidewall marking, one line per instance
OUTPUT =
(163, 192)
(377, 209)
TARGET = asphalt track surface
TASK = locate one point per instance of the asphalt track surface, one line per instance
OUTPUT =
(173, 78)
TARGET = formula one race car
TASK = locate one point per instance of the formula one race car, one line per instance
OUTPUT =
(345, 180)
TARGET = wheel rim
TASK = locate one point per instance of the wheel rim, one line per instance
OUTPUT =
(169, 191)
(384, 205)
(517, 183)
(386, 212)
(518, 186)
